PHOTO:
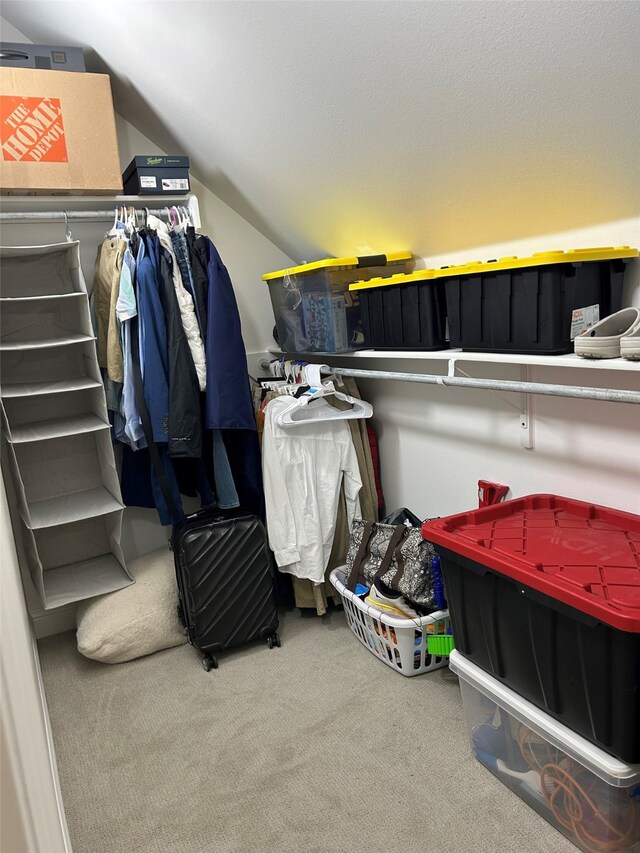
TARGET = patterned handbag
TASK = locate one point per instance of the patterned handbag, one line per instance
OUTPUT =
(396, 554)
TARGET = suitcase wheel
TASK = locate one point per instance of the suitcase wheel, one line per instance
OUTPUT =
(273, 640)
(209, 662)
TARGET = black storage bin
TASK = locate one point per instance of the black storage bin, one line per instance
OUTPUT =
(527, 307)
(403, 312)
(543, 595)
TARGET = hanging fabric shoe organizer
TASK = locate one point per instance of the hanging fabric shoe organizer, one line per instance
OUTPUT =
(58, 450)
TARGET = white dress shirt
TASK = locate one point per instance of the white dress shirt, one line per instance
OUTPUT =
(304, 467)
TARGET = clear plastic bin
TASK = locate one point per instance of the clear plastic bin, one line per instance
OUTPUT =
(588, 795)
(313, 308)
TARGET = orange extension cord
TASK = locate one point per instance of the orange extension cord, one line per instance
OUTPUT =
(572, 792)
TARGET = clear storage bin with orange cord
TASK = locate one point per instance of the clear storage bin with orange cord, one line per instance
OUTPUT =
(590, 796)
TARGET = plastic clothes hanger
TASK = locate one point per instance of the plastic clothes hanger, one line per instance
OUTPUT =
(186, 217)
(311, 407)
(176, 216)
(115, 228)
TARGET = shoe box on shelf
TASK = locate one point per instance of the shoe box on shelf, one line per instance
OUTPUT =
(587, 794)
(531, 305)
(152, 174)
(544, 595)
(313, 307)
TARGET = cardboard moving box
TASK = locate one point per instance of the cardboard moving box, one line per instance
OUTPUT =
(57, 134)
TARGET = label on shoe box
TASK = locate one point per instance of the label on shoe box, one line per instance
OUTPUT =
(175, 184)
(148, 181)
(584, 318)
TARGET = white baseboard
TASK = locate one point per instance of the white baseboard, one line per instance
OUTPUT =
(49, 622)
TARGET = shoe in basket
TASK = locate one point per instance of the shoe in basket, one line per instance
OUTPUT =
(392, 603)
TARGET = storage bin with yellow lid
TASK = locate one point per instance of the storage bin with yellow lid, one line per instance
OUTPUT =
(313, 308)
(403, 311)
(535, 305)
(529, 305)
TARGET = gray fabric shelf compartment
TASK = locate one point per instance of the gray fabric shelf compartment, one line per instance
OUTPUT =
(65, 479)
(43, 430)
(41, 270)
(59, 450)
(54, 321)
(49, 371)
(74, 561)
(54, 415)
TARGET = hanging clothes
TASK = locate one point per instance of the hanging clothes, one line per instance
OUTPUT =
(183, 302)
(184, 425)
(304, 468)
(126, 310)
(152, 339)
(106, 280)
(179, 242)
(156, 291)
(229, 403)
(308, 595)
(198, 260)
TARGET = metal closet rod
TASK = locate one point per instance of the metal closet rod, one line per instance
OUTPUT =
(609, 395)
(71, 215)
(190, 202)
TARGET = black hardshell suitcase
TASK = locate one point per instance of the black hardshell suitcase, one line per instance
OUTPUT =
(225, 581)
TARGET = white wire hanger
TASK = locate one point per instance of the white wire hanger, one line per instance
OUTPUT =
(312, 407)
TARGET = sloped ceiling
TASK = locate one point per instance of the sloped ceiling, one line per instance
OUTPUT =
(342, 127)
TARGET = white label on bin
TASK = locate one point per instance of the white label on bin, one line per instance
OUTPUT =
(175, 184)
(583, 318)
(148, 181)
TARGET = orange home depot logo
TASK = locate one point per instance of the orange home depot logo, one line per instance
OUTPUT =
(31, 129)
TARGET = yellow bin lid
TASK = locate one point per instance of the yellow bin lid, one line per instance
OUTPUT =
(573, 256)
(366, 261)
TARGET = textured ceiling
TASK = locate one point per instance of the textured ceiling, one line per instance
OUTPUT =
(341, 127)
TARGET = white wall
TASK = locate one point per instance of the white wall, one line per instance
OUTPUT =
(30, 800)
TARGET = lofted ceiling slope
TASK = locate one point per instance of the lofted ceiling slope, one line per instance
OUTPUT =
(346, 127)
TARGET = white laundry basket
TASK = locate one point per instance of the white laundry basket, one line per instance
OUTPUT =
(400, 643)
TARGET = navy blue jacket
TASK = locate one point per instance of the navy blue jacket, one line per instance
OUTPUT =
(228, 404)
(153, 343)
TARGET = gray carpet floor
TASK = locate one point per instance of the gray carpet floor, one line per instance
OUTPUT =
(316, 746)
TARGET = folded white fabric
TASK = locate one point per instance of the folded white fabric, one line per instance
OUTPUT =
(137, 620)
(603, 339)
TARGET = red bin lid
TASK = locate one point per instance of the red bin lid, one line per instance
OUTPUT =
(584, 555)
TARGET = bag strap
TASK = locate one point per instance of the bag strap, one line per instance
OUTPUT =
(356, 572)
(394, 543)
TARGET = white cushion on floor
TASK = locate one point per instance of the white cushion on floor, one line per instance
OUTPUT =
(137, 620)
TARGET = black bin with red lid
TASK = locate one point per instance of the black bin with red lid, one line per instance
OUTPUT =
(544, 595)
